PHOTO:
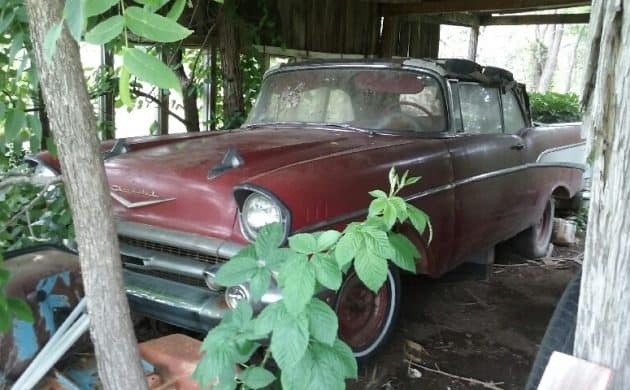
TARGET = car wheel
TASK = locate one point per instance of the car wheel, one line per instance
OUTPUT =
(560, 333)
(366, 319)
(533, 243)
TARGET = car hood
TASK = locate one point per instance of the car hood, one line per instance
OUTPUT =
(167, 185)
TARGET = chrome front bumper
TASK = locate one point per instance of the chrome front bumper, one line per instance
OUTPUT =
(189, 307)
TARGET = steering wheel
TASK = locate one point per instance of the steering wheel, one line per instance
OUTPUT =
(411, 118)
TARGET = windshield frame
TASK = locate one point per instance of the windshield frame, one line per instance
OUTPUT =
(445, 93)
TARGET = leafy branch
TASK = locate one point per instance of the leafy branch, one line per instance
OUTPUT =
(302, 329)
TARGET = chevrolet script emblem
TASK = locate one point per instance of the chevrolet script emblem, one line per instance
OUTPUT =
(136, 194)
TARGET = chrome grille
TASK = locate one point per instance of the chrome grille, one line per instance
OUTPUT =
(155, 246)
(171, 276)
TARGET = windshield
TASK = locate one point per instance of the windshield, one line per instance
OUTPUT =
(374, 99)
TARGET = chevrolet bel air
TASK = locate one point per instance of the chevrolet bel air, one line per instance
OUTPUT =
(319, 138)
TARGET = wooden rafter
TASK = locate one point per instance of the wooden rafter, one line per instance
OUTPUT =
(449, 6)
(535, 19)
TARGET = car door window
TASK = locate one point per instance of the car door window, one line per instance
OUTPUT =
(480, 108)
(512, 114)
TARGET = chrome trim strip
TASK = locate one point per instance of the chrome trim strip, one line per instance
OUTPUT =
(133, 205)
(194, 242)
(559, 148)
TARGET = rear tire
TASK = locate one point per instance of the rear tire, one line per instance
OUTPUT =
(366, 320)
(533, 243)
(560, 333)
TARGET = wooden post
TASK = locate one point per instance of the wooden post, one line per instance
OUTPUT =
(425, 41)
(603, 325)
(233, 103)
(389, 37)
(214, 87)
(107, 111)
(473, 41)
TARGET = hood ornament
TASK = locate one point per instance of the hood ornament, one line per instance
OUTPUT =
(116, 189)
(232, 159)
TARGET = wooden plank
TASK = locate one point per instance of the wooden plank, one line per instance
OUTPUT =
(389, 37)
(454, 19)
(446, 6)
(534, 19)
(568, 372)
(473, 42)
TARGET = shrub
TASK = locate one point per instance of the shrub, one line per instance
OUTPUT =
(552, 107)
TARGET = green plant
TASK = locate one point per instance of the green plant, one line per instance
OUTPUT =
(552, 107)
(302, 329)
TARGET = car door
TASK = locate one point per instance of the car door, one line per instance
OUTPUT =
(488, 171)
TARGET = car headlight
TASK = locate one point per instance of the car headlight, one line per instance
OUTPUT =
(259, 208)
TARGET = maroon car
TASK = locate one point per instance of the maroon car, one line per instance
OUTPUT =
(320, 136)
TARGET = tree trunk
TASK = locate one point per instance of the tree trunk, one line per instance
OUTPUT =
(538, 54)
(233, 104)
(189, 93)
(473, 41)
(74, 127)
(566, 88)
(602, 334)
(552, 60)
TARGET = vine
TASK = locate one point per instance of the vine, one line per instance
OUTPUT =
(302, 329)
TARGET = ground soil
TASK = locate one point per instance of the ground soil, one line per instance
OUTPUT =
(488, 330)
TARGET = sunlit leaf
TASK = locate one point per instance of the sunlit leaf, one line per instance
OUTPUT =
(154, 27)
(257, 377)
(50, 41)
(176, 10)
(106, 30)
(322, 321)
(148, 68)
(75, 16)
(97, 7)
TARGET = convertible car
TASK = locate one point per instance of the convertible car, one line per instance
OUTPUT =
(319, 138)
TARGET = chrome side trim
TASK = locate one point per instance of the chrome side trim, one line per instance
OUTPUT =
(193, 242)
(559, 148)
(435, 190)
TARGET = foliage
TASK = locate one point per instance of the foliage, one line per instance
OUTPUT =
(11, 307)
(552, 107)
(301, 328)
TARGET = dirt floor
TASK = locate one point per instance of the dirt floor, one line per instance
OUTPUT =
(485, 330)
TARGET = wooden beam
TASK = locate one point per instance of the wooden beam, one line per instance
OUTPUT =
(473, 41)
(456, 19)
(446, 6)
(534, 19)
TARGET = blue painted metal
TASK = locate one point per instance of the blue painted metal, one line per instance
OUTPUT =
(26, 337)
(52, 301)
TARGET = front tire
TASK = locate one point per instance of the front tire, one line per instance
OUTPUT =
(533, 243)
(366, 319)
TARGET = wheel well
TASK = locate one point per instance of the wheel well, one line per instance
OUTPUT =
(561, 192)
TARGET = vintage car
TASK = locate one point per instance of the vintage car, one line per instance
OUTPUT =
(320, 136)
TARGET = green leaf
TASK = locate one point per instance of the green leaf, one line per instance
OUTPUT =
(97, 7)
(106, 30)
(240, 315)
(123, 88)
(5, 320)
(15, 121)
(50, 41)
(4, 276)
(257, 377)
(405, 252)
(325, 374)
(236, 271)
(377, 206)
(346, 359)
(269, 238)
(152, 5)
(154, 27)
(289, 340)
(75, 16)
(298, 376)
(327, 271)
(176, 10)
(377, 242)
(298, 283)
(150, 69)
(303, 243)
(400, 206)
(419, 219)
(322, 321)
(393, 179)
(378, 194)
(327, 239)
(371, 269)
(389, 215)
(20, 309)
(259, 283)
(268, 318)
(347, 247)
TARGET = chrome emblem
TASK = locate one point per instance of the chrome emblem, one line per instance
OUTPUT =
(114, 189)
